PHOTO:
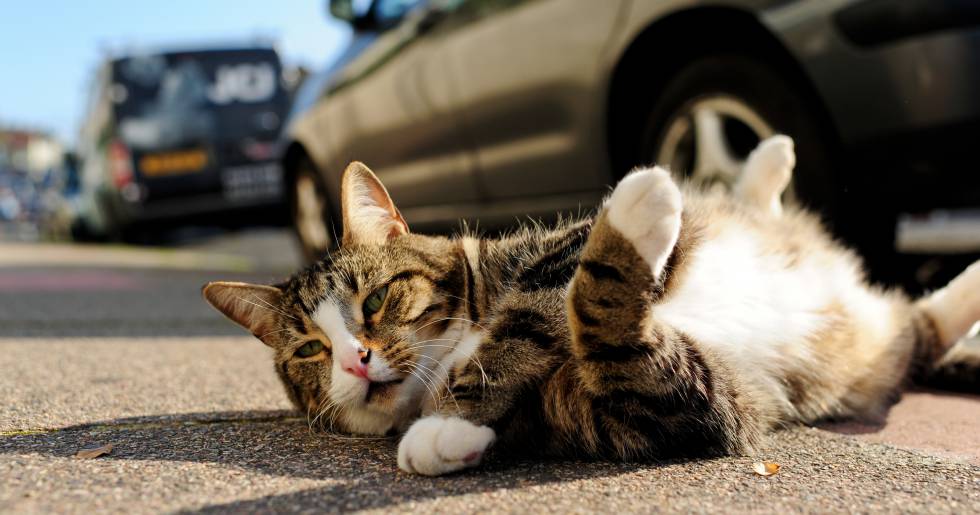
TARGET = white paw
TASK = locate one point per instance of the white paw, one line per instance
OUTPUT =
(766, 174)
(956, 308)
(771, 163)
(774, 154)
(436, 445)
(646, 208)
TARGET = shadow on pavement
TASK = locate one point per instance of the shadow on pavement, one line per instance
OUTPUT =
(362, 470)
(898, 413)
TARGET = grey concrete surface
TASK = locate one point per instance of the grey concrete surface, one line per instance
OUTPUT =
(130, 355)
(51, 383)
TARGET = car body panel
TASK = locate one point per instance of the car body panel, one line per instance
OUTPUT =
(531, 115)
(393, 103)
(498, 109)
(902, 85)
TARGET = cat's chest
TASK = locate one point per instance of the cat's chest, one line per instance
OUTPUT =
(738, 298)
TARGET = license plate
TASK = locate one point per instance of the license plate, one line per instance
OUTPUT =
(173, 163)
(252, 181)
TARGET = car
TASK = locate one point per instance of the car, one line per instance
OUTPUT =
(181, 135)
(491, 110)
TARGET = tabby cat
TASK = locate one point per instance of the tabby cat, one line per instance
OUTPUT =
(676, 322)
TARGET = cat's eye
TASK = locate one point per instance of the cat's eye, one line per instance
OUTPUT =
(309, 349)
(373, 303)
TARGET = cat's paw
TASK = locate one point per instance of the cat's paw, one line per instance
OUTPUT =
(956, 308)
(767, 172)
(774, 158)
(646, 209)
(438, 445)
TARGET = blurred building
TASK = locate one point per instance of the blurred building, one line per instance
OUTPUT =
(31, 177)
(29, 151)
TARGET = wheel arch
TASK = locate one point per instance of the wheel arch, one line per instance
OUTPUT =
(634, 84)
(294, 153)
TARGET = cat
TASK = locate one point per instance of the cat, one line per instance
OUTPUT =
(675, 322)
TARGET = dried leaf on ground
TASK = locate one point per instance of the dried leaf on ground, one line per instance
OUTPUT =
(765, 468)
(93, 452)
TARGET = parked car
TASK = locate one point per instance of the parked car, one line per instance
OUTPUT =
(494, 109)
(181, 135)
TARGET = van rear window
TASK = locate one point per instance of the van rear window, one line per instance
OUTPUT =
(163, 99)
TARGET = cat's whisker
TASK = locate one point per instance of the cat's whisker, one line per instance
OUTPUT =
(309, 421)
(476, 361)
(428, 380)
(436, 375)
(422, 344)
(334, 410)
(433, 380)
(324, 406)
(422, 380)
(427, 346)
(484, 379)
(443, 319)
(427, 324)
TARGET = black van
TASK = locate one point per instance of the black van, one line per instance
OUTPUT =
(178, 136)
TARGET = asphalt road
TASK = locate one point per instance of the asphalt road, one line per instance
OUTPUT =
(114, 346)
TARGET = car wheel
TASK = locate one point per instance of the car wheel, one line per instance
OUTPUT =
(82, 233)
(310, 211)
(715, 111)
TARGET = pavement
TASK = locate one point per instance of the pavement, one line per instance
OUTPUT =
(113, 345)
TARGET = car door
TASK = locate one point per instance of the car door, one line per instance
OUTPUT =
(529, 76)
(391, 108)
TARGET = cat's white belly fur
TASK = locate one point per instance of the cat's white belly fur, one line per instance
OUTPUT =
(748, 306)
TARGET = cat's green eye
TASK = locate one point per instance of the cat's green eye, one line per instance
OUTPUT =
(310, 349)
(373, 303)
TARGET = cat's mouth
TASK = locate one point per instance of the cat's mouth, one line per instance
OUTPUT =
(380, 389)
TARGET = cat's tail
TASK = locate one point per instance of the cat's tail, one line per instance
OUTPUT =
(954, 311)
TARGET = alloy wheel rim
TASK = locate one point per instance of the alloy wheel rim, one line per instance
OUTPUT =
(715, 162)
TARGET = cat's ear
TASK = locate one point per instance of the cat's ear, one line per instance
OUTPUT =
(369, 214)
(252, 306)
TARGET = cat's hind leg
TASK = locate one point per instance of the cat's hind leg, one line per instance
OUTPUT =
(639, 387)
(766, 174)
(955, 309)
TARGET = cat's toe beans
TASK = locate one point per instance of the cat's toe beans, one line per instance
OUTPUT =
(437, 445)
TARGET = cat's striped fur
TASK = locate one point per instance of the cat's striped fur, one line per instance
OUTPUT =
(671, 324)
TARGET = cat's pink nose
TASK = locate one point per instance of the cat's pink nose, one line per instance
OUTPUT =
(357, 368)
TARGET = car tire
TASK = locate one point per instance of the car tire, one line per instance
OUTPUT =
(81, 232)
(310, 212)
(820, 181)
(760, 91)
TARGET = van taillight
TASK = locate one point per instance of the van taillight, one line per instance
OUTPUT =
(120, 164)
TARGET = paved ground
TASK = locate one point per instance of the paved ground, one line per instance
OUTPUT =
(114, 345)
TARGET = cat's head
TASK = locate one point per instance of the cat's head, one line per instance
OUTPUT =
(359, 337)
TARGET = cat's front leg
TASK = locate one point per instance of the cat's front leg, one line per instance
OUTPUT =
(517, 349)
(444, 442)
(640, 387)
(437, 445)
